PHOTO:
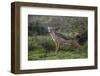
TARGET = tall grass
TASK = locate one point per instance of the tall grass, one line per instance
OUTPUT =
(43, 48)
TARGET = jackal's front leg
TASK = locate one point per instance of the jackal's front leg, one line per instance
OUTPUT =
(57, 47)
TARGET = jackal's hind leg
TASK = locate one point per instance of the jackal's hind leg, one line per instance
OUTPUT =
(75, 43)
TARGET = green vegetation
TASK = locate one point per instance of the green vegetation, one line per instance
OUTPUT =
(41, 45)
(43, 48)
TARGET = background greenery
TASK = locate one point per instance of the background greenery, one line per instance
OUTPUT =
(40, 43)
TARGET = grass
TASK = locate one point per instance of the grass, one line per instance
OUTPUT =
(43, 48)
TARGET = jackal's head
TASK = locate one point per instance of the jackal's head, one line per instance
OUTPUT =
(51, 29)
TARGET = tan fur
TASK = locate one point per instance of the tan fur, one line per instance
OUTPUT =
(59, 41)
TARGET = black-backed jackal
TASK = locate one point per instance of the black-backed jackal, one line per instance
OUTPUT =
(59, 39)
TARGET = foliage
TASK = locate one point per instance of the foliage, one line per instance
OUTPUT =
(43, 48)
(41, 45)
(37, 24)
